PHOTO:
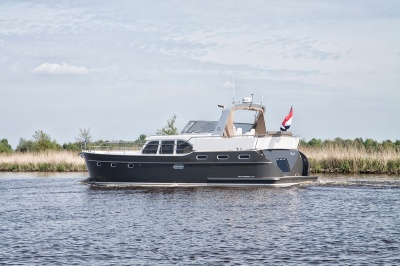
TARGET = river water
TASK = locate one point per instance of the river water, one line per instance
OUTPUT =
(52, 219)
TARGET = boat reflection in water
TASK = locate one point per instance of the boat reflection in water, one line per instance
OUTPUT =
(206, 153)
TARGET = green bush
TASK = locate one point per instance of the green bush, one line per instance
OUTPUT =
(41, 141)
(72, 146)
(5, 147)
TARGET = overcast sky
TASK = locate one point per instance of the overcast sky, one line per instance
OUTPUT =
(123, 68)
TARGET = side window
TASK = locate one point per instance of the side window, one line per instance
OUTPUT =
(283, 164)
(167, 147)
(183, 147)
(151, 148)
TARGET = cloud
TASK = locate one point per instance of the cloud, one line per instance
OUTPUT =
(60, 69)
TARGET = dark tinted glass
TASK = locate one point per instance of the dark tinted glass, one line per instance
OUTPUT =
(283, 164)
(183, 147)
(151, 148)
(167, 147)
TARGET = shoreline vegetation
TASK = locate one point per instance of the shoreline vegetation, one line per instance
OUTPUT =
(44, 161)
(42, 154)
(323, 159)
(352, 160)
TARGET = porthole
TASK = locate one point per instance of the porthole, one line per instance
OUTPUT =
(98, 163)
(244, 156)
(201, 157)
(130, 165)
(222, 157)
(113, 165)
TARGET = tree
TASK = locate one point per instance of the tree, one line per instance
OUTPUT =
(72, 146)
(41, 141)
(170, 128)
(370, 144)
(84, 135)
(315, 142)
(5, 147)
(388, 144)
(24, 145)
(141, 140)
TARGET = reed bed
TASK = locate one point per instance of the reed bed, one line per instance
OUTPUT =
(353, 159)
(327, 159)
(46, 161)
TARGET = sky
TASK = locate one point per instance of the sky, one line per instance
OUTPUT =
(123, 68)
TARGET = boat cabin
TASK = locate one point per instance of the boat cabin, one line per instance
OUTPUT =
(211, 135)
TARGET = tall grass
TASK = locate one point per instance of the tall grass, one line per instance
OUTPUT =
(327, 159)
(352, 159)
(46, 161)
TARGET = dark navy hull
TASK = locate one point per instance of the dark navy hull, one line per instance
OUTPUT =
(198, 168)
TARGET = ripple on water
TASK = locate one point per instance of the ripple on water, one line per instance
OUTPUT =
(55, 220)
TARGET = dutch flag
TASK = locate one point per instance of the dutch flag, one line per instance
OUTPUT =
(287, 121)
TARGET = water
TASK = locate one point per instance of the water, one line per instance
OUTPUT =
(50, 219)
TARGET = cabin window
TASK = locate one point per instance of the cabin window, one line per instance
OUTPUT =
(151, 148)
(283, 164)
(183, 147)
(130, 165)
(222, 157)
(167, 147)
(201, 157)
(244, 156)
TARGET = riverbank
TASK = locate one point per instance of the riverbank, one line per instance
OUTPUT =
(338, 159)
(333, 159)
(48, 161)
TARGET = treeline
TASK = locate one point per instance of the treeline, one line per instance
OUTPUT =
(41, 153)
(41, 141)
(368, 144)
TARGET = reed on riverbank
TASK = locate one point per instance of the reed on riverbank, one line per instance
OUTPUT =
(326, 159)
(352, 159)
(45, 161)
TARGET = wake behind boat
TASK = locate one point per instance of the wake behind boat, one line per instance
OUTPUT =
(207, 153)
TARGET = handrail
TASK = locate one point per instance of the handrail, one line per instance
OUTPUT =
(112, 146)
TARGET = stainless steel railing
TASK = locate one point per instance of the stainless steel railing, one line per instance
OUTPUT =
(107, 146)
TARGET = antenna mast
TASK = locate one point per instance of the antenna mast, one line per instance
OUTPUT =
(233, 87)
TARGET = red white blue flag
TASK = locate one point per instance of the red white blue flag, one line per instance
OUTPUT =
(287, 121)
